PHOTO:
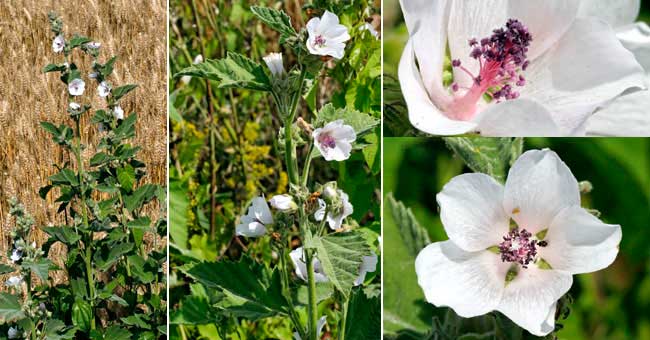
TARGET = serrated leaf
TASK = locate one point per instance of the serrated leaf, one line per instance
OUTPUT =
(341, 256)
(54, 68)
(66, 177)
(40, 268)
(277, 20)
(122, 91)
(140, 196)
(138, 227)
(363, 318)
(255, 289)
(414, 236)
(115, 254)
(361, 122)
(78, 40)
(234, 71)
(126, 177)
(490, 156)
(113, 333)
(11, 309)
(82, 314)
(99, 159)
(194, 310)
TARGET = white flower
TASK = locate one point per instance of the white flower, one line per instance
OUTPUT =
(74, 106)
(254, 223)
(335, 218)
(12, 333)
(197, 60)
(118, 113)
(104, 89)
(14, 281)
(93, 45)
(368, 265)
(16, 255)
(519, 270)
(58, 44)
(628, 114)
(283, 203)
(76, 87)
(92, 75)
(370, 28)
(327, 36)
(274, 62)
(321, 323)
(297, 257)
(558, 71)
(334, 140)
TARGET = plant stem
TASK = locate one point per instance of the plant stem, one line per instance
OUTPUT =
(284, 270)
(343, 319)
(313, 306)
(290, 149)
(305, 169)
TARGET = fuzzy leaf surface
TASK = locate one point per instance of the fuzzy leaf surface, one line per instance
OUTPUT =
(341, 256)
(234, 71)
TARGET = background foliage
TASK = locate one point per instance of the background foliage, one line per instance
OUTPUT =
(242, 155)
(610, 304)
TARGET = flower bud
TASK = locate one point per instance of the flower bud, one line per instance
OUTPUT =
(284, 203)
(274, 62)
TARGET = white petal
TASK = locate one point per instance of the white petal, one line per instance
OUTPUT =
(517, 118)
(426, 21)
(585, 69)
(538, 187)
(320, 213)
(321, 323)
(312, 25)
(578, 242)
(328, 20)
(471, 210)
(530, 297)
(636, 38)
(298, 262)
(368, 265)
(470, 283)
(617, 13)
(260, 209)
(626, 116)
(423, 114)
(283, 202)
(345, 132)
(546, 20)
(252, 229)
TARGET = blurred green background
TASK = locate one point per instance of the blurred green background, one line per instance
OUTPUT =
(610, 304)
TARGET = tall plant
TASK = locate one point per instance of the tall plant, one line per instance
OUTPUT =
(116, 282)
(335, 256)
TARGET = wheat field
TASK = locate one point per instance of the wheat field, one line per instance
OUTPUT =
(134, 30)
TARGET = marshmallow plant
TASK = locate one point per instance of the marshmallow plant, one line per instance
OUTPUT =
(334, 255)
(524, 69)
(115, 282)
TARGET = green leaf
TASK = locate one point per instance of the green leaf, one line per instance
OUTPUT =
(195, 310)
(11, 308)
(54, 68)
(114, 255)
(138, 227)
(65, 177)
(341, 256)
(77, 41)
(112, 333)
(491, 156)
(56, 330)
(178, 205)
(277, 20)
(126, 177)
(363, 318)
(126, 129)
(6, 269)
(136, 320)
(140, 270)
(254, 289)
(415, 237)
(99, 159)
(122, 91)
(82, 314)
(107, 68)
(361, 122)
(140, 196)
(235, 71)
(40, 268)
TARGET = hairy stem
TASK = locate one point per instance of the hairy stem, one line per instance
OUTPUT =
(313, 306)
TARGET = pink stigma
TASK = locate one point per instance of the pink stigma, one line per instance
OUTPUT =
(502, 58)
(327, 141)
(518, 247)
(319, 41)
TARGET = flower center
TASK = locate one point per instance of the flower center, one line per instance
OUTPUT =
(327, 141)
(517, 246)
(502, 60)
(319, 41)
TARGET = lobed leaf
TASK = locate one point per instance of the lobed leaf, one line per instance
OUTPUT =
(492, 156)
(277, 20)
(234, 71)
(363, 318)
(415, 237)
(341, 256)
(11, 309)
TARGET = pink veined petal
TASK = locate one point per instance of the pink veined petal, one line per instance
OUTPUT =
(426, 21)
(423, 114)
(538, 187)
(546, 20)
(578, 242)
(587, 68)
(471, 284)
(616, 13)
(529, 300)
(625, 116)
(471, 210)
(517, 118)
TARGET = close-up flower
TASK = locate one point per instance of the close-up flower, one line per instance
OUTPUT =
(327, 36)
(58, 44)
(118, 112)
(335, 217)
(334, 140)
(76, 87)
(14, 281)
(298, 259)
(523, 69)
(254, 223)
(514, 248)
(104, 89)
(274, 63)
